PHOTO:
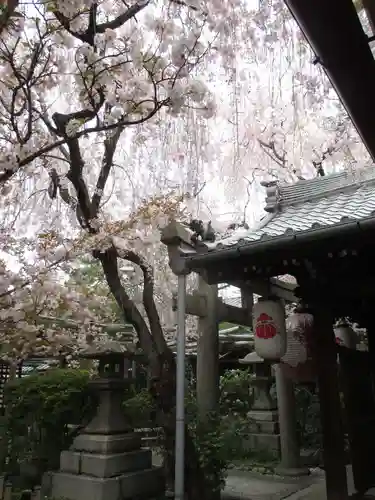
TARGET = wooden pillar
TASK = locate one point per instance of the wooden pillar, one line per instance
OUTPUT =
(325, 357)
(371, 342)
(247, 300)
(208, 352)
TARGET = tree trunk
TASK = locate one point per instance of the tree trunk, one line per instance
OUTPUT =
(7, 13)
(163, 373)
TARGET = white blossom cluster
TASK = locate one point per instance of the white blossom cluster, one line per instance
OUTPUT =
(77, 72)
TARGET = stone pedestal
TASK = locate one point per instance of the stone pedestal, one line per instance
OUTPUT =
(263, 418)
(106, 467)
(106, 461)
(265, 436)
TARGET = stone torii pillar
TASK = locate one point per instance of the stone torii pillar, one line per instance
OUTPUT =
(211, 310)
(206, 305)
(208, 391)
(286, 402)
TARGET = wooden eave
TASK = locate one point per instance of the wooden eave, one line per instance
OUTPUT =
(335, 33)
(275, 256)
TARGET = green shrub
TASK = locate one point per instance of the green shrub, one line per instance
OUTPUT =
(140, 409)
(210, 444)
(308, 417)
(39, 409)
(236, 392)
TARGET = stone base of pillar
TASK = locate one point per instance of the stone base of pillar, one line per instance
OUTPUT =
(264, 432)
(292, 471)
(98, 467)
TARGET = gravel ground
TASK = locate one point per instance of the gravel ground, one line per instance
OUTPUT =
(243, 485)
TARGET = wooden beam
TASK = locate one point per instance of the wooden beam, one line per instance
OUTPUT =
(233, 314)
(369, 7)
(272, 286)
(196, 305)
(247, 298)
(340, 45)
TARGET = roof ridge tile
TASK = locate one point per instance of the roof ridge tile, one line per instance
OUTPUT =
(279, 196)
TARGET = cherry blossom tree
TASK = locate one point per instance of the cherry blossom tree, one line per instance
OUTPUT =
(277, 118)
(90, 92)
(76, 80)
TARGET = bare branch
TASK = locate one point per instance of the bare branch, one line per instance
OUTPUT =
(8, 173)
(94, 28)
(148, 291)
(110, 145)
(84, 210)
(131, 314)
(248, 186)
(270, 149)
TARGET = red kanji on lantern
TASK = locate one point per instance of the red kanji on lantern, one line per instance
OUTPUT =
(265, 327)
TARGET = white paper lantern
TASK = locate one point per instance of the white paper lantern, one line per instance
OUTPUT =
(297, 363)
(269, 329)
(345, 335)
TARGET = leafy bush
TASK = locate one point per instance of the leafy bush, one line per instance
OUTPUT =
(210, 443)
(236, 395)
(308, 417)
(140, 409)
(39, 409)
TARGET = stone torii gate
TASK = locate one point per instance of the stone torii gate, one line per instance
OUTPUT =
(211, 310)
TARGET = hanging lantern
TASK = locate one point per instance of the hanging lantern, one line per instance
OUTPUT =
(269, 329)
(297, 363)
(345, 335)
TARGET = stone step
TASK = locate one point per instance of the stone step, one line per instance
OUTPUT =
(99, 465)
(145, 483)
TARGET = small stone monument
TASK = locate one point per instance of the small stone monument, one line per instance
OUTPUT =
(263, 417)
(106, 460)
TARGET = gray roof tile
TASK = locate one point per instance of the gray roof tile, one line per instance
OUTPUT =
(324, 201)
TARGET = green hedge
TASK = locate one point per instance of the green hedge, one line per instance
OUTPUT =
(40, 412)
(40, 408)
(36, 425)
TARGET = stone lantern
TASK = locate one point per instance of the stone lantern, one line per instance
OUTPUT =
(106, 460)
(109, 384)
(263, 417)
(262, 383)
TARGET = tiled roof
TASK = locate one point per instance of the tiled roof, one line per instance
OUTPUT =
(235, 301)
(320, 202)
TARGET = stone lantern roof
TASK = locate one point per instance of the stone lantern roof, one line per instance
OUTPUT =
(104, 348)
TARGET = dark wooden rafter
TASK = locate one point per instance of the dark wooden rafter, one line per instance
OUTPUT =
(369, 7)
(334, 31)
(344, 282)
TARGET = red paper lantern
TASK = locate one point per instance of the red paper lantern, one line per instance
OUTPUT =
(269, 329)
(297, 363)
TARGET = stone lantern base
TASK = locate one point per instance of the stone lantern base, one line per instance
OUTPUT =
(100, 467)
(264, 433)
(106, 461)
